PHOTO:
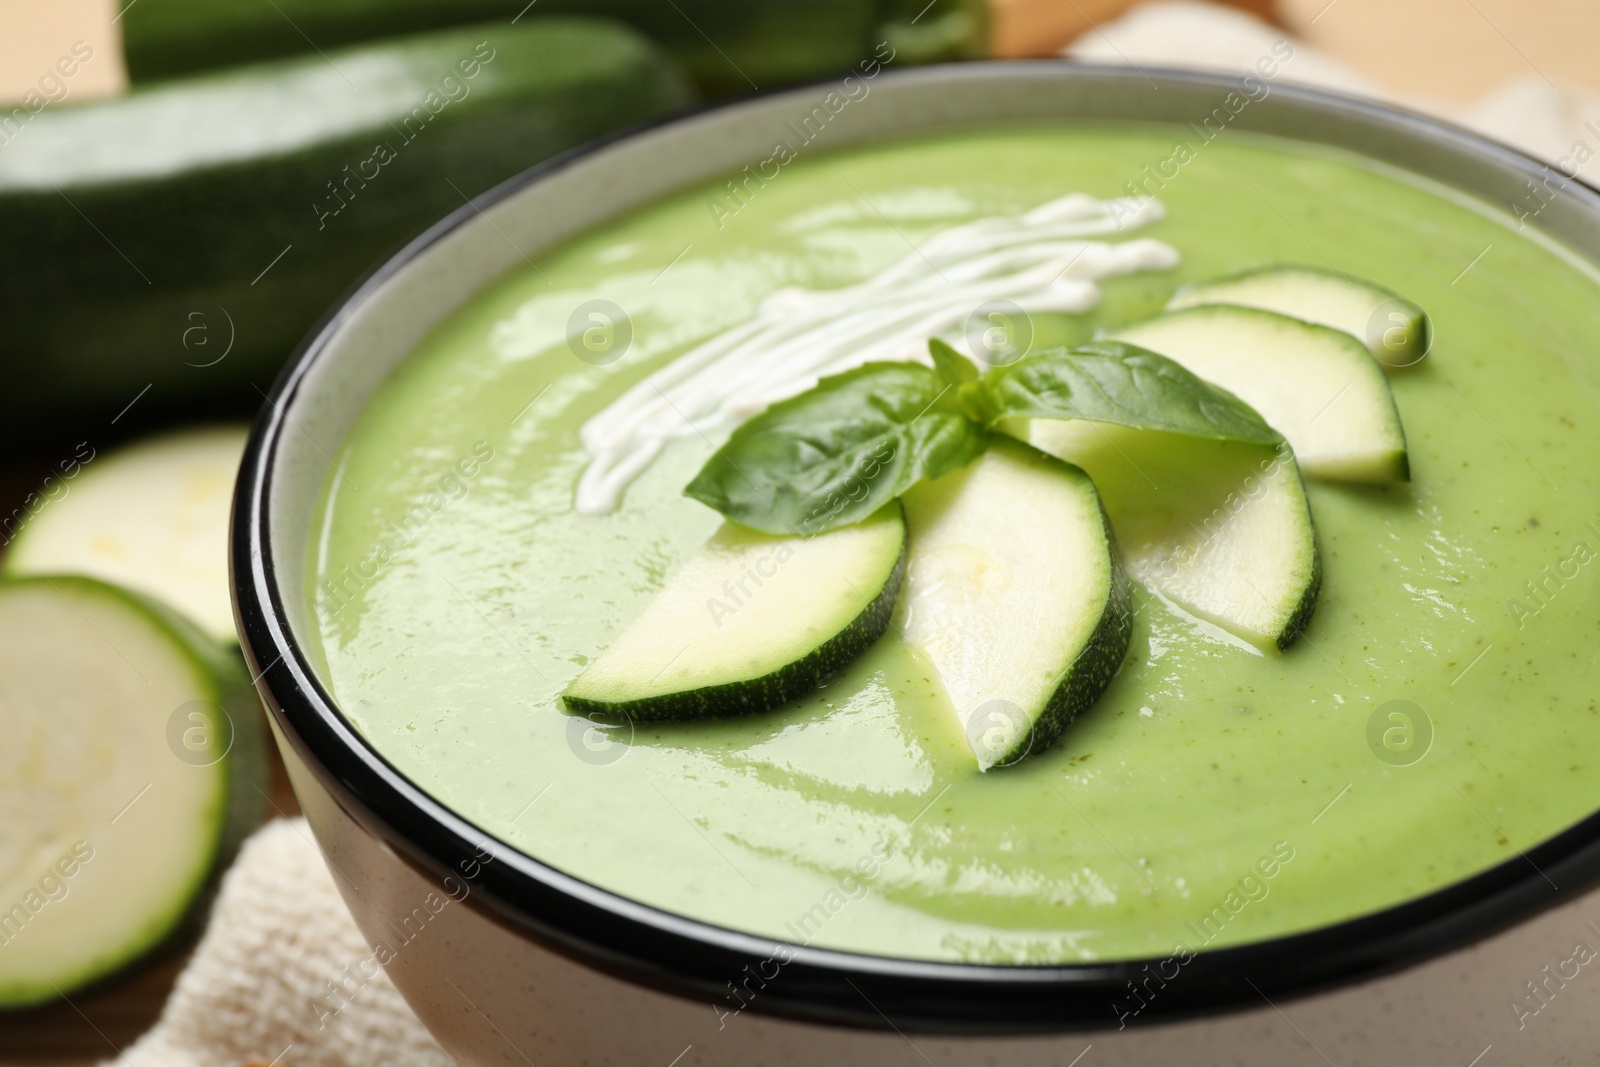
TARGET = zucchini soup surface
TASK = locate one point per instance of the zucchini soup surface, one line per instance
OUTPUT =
(1434, 719)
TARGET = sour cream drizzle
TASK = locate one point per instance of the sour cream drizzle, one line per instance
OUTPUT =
(1040, 261)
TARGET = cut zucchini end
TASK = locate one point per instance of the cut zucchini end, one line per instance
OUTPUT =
(750, 622)
(1399, 333)
(144, 777)
(1377, 468)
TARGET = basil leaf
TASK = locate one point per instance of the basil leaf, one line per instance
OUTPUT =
(836, 454)
(962, 375)
(952, 366)
(1109, 381)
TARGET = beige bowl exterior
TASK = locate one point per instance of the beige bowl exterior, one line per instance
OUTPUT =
(493, 998)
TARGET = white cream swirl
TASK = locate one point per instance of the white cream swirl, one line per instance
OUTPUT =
(1043, 260)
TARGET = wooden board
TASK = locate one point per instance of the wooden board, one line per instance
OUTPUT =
(42, 48)
(1027, 28)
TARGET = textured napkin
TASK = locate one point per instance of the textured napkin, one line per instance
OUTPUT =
(279, 977)
(1557, 122)
(263, 979)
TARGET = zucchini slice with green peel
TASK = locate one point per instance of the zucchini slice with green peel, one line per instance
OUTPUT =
(1317, 386)
(152, 517)
(1015, 593)
(1221, 528)
(131, 770)
(751, 621)
(1394, 329)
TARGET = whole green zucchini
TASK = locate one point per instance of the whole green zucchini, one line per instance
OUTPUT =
(726, 45)
(186, 237)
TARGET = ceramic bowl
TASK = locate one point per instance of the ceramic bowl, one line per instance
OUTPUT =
(509, 960)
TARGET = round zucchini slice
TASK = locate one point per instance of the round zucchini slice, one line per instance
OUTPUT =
(129, 771)
(152, 517)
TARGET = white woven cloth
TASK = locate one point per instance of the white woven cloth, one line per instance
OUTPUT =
(1558, 122)
(280, 976)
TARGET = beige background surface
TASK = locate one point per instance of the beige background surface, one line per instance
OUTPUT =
(35, 34)
(1455, 49)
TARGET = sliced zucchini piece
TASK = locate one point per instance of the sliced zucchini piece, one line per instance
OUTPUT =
(153, 517)
(1221, 528)
(1317, 386)
(1015, 593)
(751, 621)
(1394, 329)
(129, 772)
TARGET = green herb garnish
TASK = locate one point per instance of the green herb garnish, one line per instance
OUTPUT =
(838, 452)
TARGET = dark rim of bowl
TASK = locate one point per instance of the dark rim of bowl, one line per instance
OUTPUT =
(695, 959)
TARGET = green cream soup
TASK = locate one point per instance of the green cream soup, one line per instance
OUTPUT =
(1214, 795)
